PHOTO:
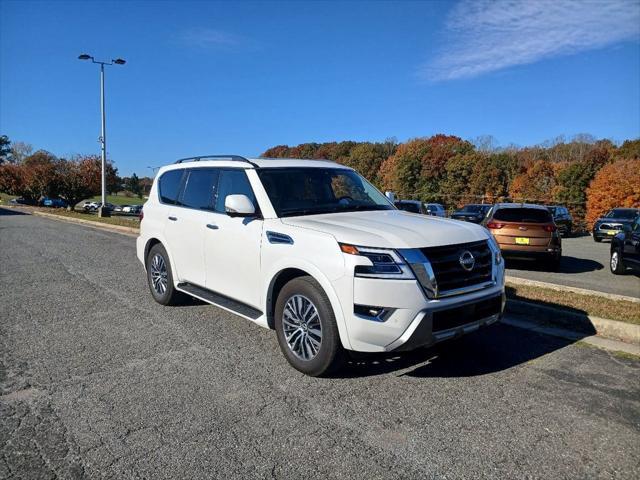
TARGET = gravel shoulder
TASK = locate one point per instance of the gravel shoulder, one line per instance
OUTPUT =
(96, 380)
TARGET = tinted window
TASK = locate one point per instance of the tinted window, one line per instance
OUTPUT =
(315, 190)
(233, 182)
(474, 208)
(525, 215)
(170, 186)
(408, 207)
(622, 213)
(200, 189)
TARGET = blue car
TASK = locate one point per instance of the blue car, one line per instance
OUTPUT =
(54, 202)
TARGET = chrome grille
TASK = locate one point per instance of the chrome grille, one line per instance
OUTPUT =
(448, 270)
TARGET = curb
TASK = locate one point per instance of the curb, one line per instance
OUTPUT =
(89, 223)
(566, 288)
(605, 343)
(603, 327)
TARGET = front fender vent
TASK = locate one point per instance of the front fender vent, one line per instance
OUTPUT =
(281, 238)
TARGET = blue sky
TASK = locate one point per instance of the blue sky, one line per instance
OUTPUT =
(205, 77)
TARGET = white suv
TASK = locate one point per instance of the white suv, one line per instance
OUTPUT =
(311, 249)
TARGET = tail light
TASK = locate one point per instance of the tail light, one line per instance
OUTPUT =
(550, 228)
(495, 225)
(141, 215)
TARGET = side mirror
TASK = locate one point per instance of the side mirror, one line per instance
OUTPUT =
(239, 206)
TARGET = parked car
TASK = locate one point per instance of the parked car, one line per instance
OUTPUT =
(562, 218)
(435, 209)
(54, 202)
(119, 208)
(18, 201)
(91, 206)
(613, 222)
(311, 249)
(625, 248)
(134, 209)
(525, 230)
(413, 206)
(471, 213)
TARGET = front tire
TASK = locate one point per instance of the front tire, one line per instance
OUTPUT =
(160, 277)
(306, 328)
(597, 239)
(616, 264)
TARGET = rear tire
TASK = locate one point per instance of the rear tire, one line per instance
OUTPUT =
(616, 264)
(306, 328)
(160, 277)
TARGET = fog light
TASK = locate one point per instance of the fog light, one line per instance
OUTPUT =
(377, 314)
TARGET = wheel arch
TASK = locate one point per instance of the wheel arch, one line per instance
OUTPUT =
(285, 275)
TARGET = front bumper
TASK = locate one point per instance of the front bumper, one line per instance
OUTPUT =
(409, 322)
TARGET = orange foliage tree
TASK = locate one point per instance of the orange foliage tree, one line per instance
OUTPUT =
(617, 184)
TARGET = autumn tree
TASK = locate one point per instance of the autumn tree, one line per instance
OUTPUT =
(40, 175)
(617, 184)
(536, 184)
(417, 167)
(629, 149)
(11, 179)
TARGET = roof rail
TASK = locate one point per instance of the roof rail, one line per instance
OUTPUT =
(234, 158)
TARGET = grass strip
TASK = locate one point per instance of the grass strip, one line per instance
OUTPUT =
(133, 222)
(620, 310)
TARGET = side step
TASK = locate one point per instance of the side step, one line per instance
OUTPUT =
(221, 300)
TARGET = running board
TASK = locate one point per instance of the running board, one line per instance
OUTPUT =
(221, 300)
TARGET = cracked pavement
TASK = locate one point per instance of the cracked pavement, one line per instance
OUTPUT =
(98, 381)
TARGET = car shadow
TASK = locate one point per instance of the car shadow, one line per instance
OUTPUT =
(568, 264)
(10, 212)
(489, 350)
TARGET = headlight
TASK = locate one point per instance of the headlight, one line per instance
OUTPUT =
(385, 263)
(497, 254)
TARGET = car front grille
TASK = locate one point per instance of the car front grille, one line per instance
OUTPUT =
(458, 316)
(610, 226)
(448, 270)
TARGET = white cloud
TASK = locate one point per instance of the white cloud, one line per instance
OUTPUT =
(487, 35)
(211, 38)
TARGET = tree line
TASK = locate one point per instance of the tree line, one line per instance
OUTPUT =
(35, 175)
(589, 176)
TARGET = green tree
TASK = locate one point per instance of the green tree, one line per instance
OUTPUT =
(133, 185)
(5, 149)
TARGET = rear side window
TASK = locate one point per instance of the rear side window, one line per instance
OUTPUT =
(233, 182)
(200, 189)
(170, 186)
(524, 215)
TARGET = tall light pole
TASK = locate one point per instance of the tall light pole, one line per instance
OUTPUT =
(103, 211)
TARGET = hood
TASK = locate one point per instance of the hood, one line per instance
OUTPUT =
(391, 229)
(614, 220)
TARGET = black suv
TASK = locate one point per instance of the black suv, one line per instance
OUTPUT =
(625, 248)
(562, 218)
(472, 213)
(613, 222)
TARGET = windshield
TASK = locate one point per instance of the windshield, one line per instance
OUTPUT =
(621, 213)
(474, 208)
(524, 214)
(311, 191)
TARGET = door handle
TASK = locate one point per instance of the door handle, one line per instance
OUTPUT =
(173, 219)
(212, 226)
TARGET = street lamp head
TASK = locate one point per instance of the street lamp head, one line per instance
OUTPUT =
(84, 56)
(119, 61)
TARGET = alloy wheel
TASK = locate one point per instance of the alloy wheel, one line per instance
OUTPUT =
(159, 274)
(301, 327)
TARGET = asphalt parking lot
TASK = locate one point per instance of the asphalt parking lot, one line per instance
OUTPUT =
(98, 381)
(585, 264)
